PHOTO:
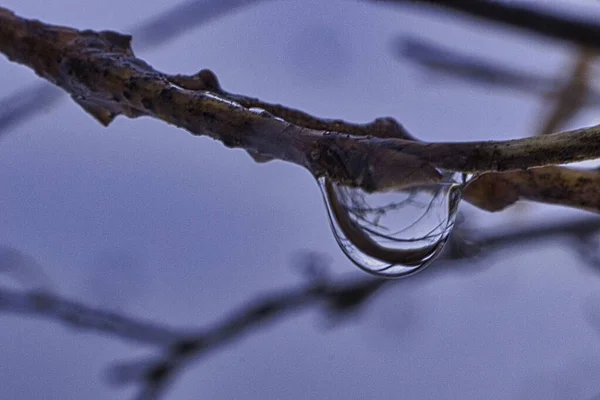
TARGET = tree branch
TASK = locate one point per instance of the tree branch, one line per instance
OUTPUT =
(195, 12)
(103, 75)
(555, 185)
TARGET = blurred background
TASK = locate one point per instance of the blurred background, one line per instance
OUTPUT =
(144, 219)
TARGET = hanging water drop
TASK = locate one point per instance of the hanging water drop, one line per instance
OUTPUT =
(395, 233)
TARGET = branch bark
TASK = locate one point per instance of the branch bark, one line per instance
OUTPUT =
(102, 74)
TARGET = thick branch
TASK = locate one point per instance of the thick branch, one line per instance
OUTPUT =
(102, 74)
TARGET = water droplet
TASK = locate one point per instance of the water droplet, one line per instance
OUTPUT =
(396, 233)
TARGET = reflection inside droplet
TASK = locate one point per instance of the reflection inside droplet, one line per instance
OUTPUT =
(395, 233)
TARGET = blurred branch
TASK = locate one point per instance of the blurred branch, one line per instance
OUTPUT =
(571, 96)
(335, 297)
(527, 17)
(155, 375)
(104, 77)
(583, 227)
(25, 104)
(43, 304)
(183, 17)
(179, 347)
(474, 69)
(567, 96)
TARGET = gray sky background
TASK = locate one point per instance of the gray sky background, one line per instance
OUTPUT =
(143, 218)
